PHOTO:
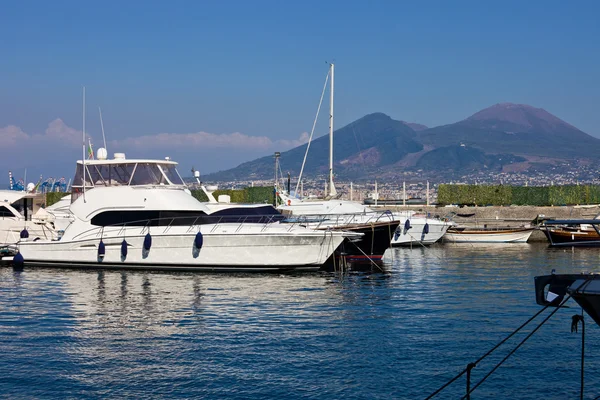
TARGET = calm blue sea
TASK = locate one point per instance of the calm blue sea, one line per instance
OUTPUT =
(399, 334)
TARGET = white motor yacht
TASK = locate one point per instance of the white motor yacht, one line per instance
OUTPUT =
(139, 214)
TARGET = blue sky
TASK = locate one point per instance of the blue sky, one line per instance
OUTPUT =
(249, 73)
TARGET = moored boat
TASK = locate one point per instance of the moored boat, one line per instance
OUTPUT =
(550, 290)
(457, 234)
(139, 214)
(22, 218)
(335, 214)
(415, 229)
(572, 233)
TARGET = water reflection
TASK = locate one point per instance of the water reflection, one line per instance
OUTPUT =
(432, 310)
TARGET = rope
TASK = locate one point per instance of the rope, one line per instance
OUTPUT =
(516, 348)
(372, 236)
(369, 258)
(524, 340)
(488, 353)
(471, 365)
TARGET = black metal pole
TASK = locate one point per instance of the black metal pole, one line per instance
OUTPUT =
(470, 366)
(582, 353)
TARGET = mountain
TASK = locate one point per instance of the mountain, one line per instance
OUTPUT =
(414, 126)
(461, 158)
(371, 142)
(516, 129)
(379, 146)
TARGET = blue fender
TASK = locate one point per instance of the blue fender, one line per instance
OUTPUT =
(101, 249)
(147, 241)
(198, 240)
(124, 249)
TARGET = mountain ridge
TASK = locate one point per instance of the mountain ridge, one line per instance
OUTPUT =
(378, 145)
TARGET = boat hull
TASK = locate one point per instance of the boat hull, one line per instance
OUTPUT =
(488, 236)
(370, 248)
(252, 251)
(571, 238)
(416, 234)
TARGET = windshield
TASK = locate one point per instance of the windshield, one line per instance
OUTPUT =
(126, 174)
(148, 174)
(172, 174)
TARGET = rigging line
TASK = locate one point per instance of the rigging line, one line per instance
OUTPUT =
(313, 129)
(358, 145)
(281, 178)
(524, 340)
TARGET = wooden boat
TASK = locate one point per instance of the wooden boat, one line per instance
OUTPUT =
(457, 234)
(572, 233)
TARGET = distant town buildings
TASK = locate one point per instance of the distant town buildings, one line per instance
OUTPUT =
(413, 184)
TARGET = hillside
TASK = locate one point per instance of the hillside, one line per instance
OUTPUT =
(491, 139)
(372, 141)
(516, 129)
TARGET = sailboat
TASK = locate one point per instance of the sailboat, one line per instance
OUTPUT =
(332, 213)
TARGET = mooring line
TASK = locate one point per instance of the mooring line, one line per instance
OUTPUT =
(472, 365)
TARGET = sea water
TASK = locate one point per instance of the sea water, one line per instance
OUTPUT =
(399, 333)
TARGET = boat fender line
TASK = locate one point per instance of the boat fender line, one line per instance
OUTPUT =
(198, 240)
(18, 260)
(396, 234)
(101, 249)
(147, 241)
(426, 228)
(24, 234)
(124, 250)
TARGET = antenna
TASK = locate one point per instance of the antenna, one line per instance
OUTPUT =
(102, 126)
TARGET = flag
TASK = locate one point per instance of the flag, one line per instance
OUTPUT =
(37, 185)
(90, 150)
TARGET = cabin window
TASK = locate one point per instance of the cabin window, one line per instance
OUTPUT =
(150, 218)
(262, 214)
(5, 212)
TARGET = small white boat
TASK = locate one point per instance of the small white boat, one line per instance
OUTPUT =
(22, 218)
(139, 214)
(418, 229)
(488, 235)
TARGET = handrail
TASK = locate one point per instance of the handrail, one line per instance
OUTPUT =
(319, 221)
(169, 222)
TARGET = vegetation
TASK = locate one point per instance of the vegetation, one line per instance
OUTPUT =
(257, 194)
(501, 195)
(54, 197)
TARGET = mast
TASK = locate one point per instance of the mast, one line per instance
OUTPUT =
(83, 151)
(332, 191)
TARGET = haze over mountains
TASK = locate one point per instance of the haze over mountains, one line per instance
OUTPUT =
(502, 136)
